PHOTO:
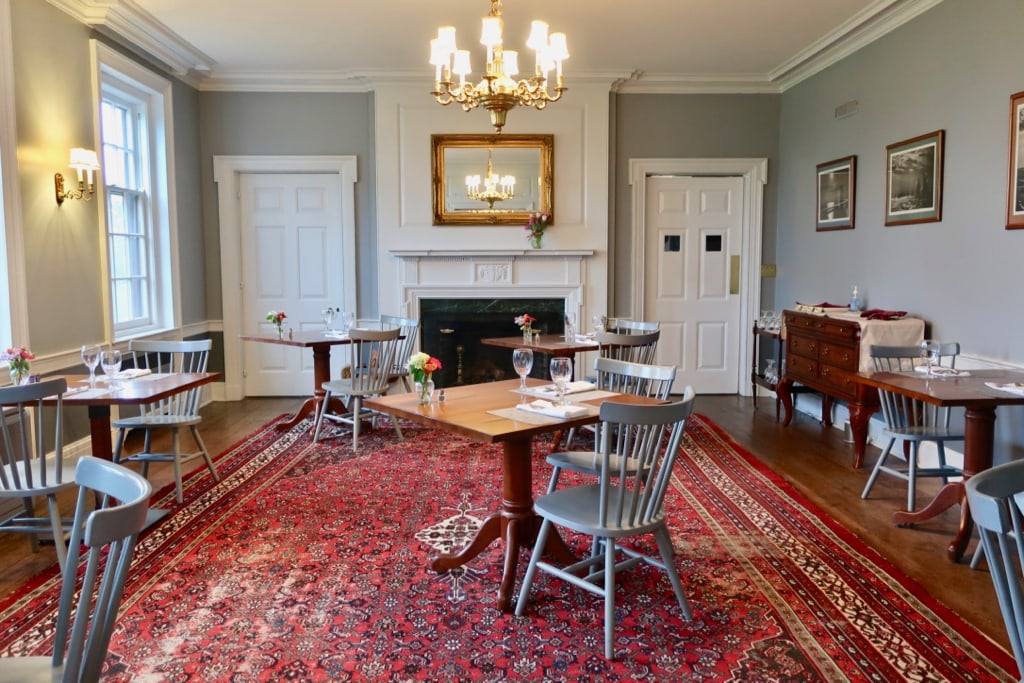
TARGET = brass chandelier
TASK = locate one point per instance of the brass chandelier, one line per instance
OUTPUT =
(498, 91)
(494, 188)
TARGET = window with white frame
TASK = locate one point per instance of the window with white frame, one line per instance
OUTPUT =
(135, 136)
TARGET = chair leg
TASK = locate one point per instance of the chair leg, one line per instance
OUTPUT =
(206, 454)
(146, 444)
(912, 477)
(29, 505)
(320, 416)
(979, 553)
(942, 460)
(119, 446)
(531, 569)
(357, 420)
(176, 454)
(554, 479)
(57, 526)
(609, 598)
(668, 557)
(877, 469)
(398, 427)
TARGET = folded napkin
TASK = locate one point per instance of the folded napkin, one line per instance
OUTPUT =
(336, 334)
(570, 388)
(551, 410)
(585, 339)
(881, 314)
(132, 373)
(940, 371)
(1012, 387)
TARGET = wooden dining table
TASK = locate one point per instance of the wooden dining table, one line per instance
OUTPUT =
(970, 391)
(99, 398)
(321, 345)
(469, 410)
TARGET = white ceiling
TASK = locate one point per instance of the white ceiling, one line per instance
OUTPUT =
(638, 45)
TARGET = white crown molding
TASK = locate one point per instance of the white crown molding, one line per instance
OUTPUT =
(863, 28)
(285, 81)
(139, 30)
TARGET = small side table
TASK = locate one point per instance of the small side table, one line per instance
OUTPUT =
(757, 378)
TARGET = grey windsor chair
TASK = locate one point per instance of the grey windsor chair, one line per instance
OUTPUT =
(611, 511)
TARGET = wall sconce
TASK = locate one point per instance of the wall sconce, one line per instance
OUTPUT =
(85, 162)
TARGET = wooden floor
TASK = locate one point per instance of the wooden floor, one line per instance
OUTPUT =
(813, 458)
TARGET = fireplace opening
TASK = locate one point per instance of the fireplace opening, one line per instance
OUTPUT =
(451, 330)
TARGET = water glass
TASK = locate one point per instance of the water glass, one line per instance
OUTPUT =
(570, 327)
(91, 358)
(930, 353)
(327, 315)
(346, 319)
(110, 360)
(522, 361)
(597, 321)
(561, 374)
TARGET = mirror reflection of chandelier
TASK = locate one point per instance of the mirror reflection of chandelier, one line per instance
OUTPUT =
(497, 91)
(494, 188)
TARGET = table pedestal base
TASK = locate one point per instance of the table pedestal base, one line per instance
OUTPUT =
(516, 523)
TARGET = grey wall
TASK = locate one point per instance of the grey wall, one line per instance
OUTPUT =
(686, 126)
(294, 124)
(953, 68)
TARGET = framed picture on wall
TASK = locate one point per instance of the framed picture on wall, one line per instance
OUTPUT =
(1015, 184)
(913, 180)
(837, 181)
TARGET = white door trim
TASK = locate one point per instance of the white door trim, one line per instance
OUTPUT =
(755, 175)
(226, 171)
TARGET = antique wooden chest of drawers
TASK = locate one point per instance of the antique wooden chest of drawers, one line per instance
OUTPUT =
(824, 354)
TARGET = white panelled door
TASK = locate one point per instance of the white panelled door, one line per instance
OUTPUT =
(694, 226)
(292, 255)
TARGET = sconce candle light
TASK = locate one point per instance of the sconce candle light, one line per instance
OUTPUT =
(85, 162)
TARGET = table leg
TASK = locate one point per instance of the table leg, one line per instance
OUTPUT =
(979, 430)
(516, 523)
(321, 374)
(784, 391)
(99, 432)
(860, 418)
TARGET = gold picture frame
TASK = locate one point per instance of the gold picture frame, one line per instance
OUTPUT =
(530, 158)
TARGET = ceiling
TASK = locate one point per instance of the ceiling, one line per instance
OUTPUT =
(643, 45)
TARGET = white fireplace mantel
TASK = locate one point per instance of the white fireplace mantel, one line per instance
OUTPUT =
(531, 253)
(493, 273)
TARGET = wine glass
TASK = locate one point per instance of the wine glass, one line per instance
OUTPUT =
(327, 315)
(570, 327)
(346, 319)
(930, 353)
(561, 373)
(597, 320)
(110, 359)
(522, 361)
(91, 358)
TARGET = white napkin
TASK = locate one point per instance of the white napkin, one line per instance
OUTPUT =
(336, 334)
(570, 388)
(940, 371)
(585, 339)
(1013, 387)
(132, 373)
(550, 409)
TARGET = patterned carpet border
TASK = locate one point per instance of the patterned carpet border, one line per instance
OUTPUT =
(308, 562)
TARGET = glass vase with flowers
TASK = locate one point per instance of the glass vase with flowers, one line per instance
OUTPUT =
(535, 228)
(525, 322)
(422, 367)
(277, 318)
(19, 363)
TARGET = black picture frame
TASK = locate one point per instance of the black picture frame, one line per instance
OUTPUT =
(913, 179)
(836, 197)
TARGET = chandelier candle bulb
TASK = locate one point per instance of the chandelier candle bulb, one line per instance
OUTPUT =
(498, 91)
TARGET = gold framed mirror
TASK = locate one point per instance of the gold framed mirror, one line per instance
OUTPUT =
(460, 164)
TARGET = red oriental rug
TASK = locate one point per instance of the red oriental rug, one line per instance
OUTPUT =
(309, 563)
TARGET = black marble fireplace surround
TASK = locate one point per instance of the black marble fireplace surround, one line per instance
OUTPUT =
(451, 330)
